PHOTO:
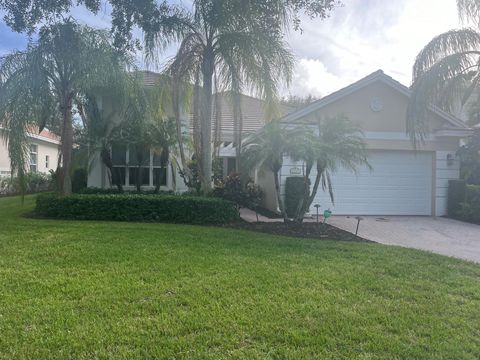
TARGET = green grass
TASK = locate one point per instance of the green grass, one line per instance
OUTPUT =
(85, 290)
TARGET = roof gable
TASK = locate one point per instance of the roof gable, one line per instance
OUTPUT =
(378, 76)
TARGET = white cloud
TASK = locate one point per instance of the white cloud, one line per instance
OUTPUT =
(364, 36)
(312, 77)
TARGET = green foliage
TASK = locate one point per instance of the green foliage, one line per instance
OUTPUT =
(446, 72)
(295, 189)
(217, 171)
(233, 189)
(79, 180)
(456, 196)
(40, 86)
(34, 183)
(469, 155)
(192, 180)
(144, 208)
(470, 208)
(116, 191)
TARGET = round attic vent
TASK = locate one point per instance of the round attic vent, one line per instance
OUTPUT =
(376, 104)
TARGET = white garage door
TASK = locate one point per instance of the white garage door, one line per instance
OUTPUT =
(400, 183)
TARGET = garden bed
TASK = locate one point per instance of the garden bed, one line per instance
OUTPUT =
(306, 230)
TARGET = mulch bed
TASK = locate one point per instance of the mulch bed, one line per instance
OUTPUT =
(305, 230)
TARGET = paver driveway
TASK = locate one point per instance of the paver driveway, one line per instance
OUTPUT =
(440, 235)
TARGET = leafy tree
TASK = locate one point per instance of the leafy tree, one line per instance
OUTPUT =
(149, 15)
(446, 72)
(39, 86)
(299, 102)
(336, 142)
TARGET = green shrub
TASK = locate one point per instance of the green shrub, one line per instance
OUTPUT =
(116, 191)
(34, 183)
(79, 180)
(456, 196)
(470, 208)
(294, 191)
(232, 189)
(138, 207)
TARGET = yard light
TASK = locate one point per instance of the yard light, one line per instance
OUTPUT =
(358, 224)
(317, 206)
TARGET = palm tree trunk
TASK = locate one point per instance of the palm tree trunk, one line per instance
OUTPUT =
(279, 196)
(67, 144)
(320, 171)
(206, 121)
(178, 122)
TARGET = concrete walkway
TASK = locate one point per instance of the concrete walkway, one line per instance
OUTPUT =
(441, 236)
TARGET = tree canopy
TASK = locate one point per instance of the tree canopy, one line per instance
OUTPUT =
(40, 86)
(151, 15)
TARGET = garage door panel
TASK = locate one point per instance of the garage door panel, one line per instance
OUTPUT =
(400, 183)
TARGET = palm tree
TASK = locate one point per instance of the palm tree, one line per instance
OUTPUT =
(446, 72)
(267, 148)
(336, 142)
(226, 45)
(39, 86)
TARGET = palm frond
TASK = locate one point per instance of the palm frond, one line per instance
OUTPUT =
(456, 42)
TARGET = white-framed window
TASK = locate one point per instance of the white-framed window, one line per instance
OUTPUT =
(33, 158)
(47, 162)
(130, 164)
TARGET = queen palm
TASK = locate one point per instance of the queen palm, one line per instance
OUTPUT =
(267, 148)
(335, 142)
(39, 86)
(225, 45)
(447, 71)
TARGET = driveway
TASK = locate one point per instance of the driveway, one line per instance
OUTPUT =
(440, 235)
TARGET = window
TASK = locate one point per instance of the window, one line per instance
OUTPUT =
(47, 161)
(131, 164)
(33, 157)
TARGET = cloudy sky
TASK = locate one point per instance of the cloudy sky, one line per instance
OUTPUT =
(359, 38)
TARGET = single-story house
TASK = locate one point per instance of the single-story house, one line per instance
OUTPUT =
(402, 181)
(253, 119)
(43, 152)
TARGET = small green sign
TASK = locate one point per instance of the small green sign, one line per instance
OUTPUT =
(327, 214)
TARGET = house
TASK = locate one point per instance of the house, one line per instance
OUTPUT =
(44, 149)
(402, 181)
(253, 119)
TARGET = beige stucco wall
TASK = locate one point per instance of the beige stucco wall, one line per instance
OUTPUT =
(356, 107)
(386, 130)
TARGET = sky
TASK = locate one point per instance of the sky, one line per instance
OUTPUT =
(359, 38)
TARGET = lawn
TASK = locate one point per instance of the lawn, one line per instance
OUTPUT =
(85, 290)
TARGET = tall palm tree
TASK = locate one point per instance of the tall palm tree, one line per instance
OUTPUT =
(447, 71)
(335, 142)
(39, 86)
(226, 45)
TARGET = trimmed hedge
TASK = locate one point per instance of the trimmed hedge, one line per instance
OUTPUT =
(137, 207)
(115, 191)
(294, 191)
(456, 195)
(470, 208)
